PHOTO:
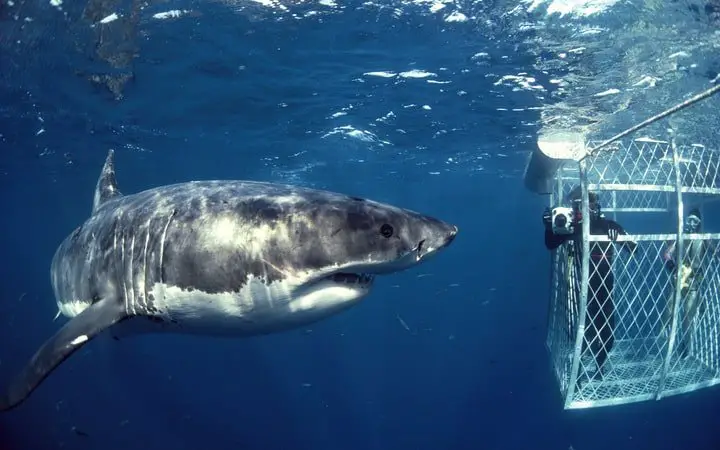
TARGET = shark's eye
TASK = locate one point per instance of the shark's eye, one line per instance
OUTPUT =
(386, 230)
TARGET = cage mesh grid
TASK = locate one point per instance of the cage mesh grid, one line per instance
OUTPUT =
(629, 200)
(647, 165)
(637, 333)
(562, 322)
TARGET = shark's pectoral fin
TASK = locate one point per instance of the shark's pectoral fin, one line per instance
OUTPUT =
(73, 335)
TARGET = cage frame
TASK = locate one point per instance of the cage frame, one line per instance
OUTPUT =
(677, 188)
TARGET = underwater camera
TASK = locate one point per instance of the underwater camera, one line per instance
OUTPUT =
(563, 220)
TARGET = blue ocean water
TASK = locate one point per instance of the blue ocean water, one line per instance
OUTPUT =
(426, 105)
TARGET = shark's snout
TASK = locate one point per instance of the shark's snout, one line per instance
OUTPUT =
(451, 235)
(436, 240)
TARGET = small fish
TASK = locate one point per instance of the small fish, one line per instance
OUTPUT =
(80, 432)
(402, 322)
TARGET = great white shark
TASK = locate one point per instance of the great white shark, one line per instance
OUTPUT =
(226, 258)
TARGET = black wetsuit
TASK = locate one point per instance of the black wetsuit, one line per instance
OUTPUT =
(600, 318)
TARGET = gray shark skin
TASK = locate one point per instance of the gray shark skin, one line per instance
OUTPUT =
(223, 258)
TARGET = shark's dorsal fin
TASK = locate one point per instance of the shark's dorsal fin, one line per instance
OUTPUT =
(106, 188)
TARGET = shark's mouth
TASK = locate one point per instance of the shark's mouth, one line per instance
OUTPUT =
(351, 278)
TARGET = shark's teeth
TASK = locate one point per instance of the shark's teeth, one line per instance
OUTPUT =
(351, 278)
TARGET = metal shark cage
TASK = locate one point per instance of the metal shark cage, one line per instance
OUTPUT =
(654, 181)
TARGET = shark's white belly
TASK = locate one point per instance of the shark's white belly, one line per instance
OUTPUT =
(257, 308)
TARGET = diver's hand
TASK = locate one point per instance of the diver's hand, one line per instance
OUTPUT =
(547, 218)
(668, 258)
(613, 233)
(670, 265)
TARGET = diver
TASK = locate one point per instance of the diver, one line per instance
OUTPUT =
(600, 317)
(691, 273)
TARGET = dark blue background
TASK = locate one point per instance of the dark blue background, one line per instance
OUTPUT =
(473, 373)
